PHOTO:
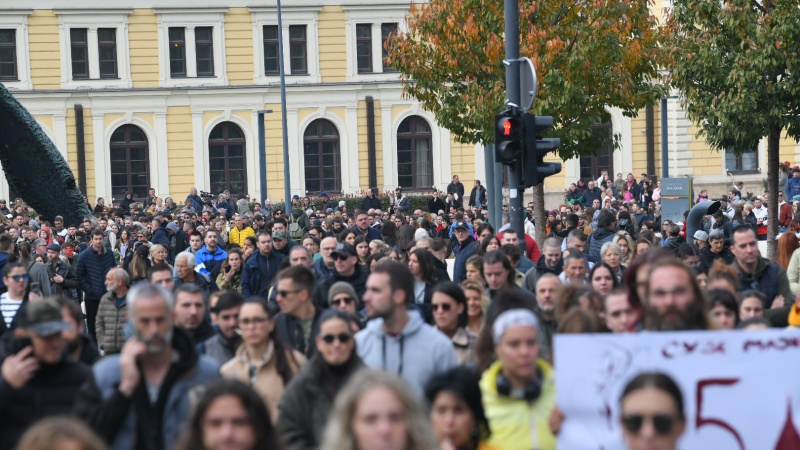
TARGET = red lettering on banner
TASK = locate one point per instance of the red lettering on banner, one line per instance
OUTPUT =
(673, 349)
(781, 343)
(702, 421)
(790, 439)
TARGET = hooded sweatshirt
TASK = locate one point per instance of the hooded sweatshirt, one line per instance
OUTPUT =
(416, 354)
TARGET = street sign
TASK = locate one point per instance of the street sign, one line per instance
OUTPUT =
(527, 84)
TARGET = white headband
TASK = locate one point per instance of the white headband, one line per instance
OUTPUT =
(513, 318)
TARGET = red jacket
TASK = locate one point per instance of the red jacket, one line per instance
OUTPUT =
(785, 214)
(531, 247)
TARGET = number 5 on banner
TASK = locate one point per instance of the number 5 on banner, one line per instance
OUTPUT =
(701, 421)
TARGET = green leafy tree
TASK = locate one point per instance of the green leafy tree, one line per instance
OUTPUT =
(736, 63)
(589, 55)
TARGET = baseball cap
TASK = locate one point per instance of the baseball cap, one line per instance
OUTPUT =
(43, 317)
(295, 197)
(54, 246)
(701, 235)
(345, 249)
(323, 194)
(279, 235)
(461, 225)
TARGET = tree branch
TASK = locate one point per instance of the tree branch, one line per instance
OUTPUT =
(759, 6)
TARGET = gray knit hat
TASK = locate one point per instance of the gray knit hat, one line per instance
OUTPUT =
(341, 287)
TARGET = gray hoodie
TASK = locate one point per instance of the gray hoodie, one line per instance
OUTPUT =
(419, 352)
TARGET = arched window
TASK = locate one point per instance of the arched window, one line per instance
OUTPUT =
(226, 164)
(414, 154)
(321, 157)
(129, 162)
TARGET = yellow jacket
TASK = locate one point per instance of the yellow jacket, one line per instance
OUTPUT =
(237, 237)
(516, 423)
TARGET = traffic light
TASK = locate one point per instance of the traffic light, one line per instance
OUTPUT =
(508, 135)
(536, 147)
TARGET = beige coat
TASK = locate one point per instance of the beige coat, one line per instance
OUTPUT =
(266, 381)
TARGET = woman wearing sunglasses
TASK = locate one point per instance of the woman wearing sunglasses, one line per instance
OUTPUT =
(262, 361)
(449, 306)
(306, 405)
(652, 412)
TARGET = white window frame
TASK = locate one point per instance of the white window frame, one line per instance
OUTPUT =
(191, 19)
(376, 16)
(92, 20)
(291, 15)
(18, 20)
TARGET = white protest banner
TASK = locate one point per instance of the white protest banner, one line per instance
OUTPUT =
(741, 389)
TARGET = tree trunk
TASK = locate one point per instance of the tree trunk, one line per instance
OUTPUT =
(773, 148)
(539, 214)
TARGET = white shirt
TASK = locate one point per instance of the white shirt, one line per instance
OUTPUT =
(9, 308)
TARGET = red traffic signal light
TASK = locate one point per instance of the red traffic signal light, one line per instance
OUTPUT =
(508, 138)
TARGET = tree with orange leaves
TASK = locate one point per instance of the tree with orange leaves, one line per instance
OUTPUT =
(589, 55)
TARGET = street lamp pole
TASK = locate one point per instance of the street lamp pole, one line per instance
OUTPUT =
(286, 182)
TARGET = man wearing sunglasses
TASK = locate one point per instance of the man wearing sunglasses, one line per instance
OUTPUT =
(16, 279)
(347, 269)
(297, 323)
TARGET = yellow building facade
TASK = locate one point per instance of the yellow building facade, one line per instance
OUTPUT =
(167, 94)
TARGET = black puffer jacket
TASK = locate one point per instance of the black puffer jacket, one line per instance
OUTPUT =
(596, 241)
(51, 391)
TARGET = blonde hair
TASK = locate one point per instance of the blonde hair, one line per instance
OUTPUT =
(48, 433)
(477, 287)
(339, 434)
(157, 248)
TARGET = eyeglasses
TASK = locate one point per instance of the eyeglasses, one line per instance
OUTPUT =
(342, 301)
(286, 293)
(344, 338)
(254, 321)
(661, 422)
(442, 306)
(24, 277)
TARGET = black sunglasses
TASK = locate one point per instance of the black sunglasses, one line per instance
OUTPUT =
(661, 422)
(345, 301)
(338, 256)
(344, 338)
(442, 306)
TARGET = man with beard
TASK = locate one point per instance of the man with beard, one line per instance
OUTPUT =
(140, 399)
(675, 300)
(550, 262)
(548, 289)
(396, 339)
(112, 312)
(190, 312)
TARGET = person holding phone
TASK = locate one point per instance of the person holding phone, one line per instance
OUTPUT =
(141, 397)
(37, 378)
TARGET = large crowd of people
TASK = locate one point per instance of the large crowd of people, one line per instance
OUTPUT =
(222, 323)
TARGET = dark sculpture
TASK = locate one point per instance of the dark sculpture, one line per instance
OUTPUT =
(33, 166)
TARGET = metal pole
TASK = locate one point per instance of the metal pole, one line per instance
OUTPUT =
(664, 140)
(513, 100)
(497, 195)
(287, 206)
(488, 162)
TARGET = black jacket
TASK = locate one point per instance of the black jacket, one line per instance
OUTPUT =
(291, 333)
(441, 270)
(477, 197)
(358, 280)
(92, 269)
(435, 205)
(370, 203)
(596, 241)
(52, 391)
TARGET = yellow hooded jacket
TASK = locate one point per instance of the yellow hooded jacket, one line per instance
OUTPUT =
(517, 423)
